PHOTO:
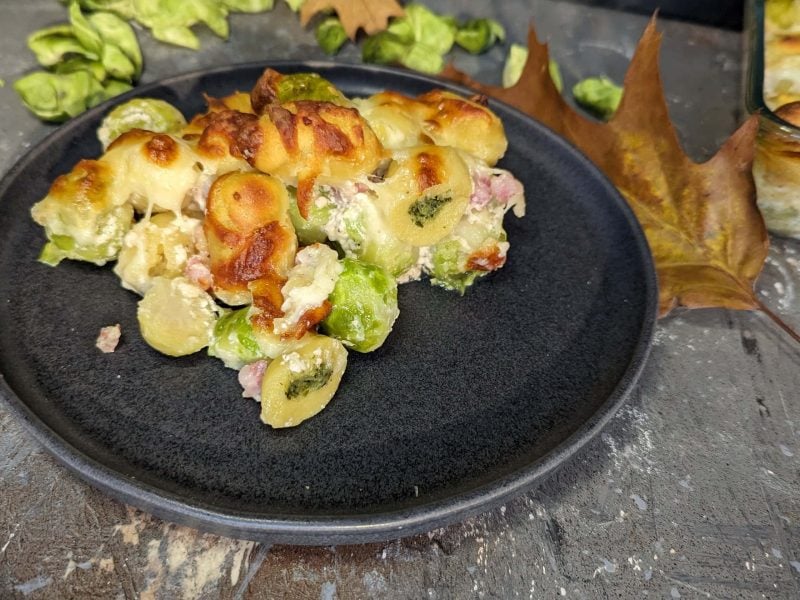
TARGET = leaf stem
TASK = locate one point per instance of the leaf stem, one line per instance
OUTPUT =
(778, 321)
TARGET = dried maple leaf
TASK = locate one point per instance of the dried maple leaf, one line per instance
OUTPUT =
(370, 15)
(706, 235)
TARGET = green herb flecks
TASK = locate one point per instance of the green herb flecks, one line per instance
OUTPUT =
(309, 382)
(425, 209)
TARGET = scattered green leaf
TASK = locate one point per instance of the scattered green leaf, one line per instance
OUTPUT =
(599, 95)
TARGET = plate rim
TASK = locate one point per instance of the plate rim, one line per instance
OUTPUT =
(366, 527)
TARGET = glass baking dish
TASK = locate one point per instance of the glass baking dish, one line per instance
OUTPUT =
(776, 166)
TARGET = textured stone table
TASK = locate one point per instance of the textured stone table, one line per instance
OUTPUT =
(692, 491)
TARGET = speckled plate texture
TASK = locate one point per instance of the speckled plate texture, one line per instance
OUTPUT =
(471, 400)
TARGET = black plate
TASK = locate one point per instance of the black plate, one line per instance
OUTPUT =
(471, 400)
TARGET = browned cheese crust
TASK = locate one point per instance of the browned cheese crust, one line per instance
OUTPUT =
(251, 241)
(445, 119)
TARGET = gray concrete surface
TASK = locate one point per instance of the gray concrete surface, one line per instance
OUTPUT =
(693, 491)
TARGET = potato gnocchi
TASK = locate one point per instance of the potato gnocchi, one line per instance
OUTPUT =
(274, 229)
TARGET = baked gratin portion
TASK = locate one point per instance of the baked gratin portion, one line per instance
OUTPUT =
(273, 229)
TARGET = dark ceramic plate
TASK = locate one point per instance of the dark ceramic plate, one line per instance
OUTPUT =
(470, 401)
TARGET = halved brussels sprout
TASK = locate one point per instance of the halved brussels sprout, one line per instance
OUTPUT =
(151, 114)
(311, 230)
(364, 306)
(307, 86)
(234, 341)
(300, 383)
(80, 220)
(476, 247)
(176, 317)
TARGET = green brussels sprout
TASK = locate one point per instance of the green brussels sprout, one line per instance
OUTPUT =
(295, 4)
(307, 86)
(233, 340)
(140, 113)
(384, 48)
(515, 63)
(311, 230)
(364, 306)
(419, 40)
(448, 267)
(478, 35)
(330, 35)
(598, 95)
(53, 45)
(237, 343)
(432, 30)
(424, 59)
(59, 96)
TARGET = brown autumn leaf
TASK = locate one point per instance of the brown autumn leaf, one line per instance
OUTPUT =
(706, 235)
(370, 15)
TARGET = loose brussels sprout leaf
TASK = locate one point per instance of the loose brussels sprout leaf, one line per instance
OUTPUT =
(599, 95)
(122, 8)
(384, 48)
(170, 20)
(84, 31)
(307, 86)
(151, 114)
(118, 34)
(52, 45)
(432, 30)
(402, 28)
(295, 4)
(57, 97)
(176, 317)
(233, 340)
(117, 64)
(79, 63)
(478, 35)
(515, 62)
(113, 88)
(249, 6)
(364, 306)
(330, 35)
(424, 59)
